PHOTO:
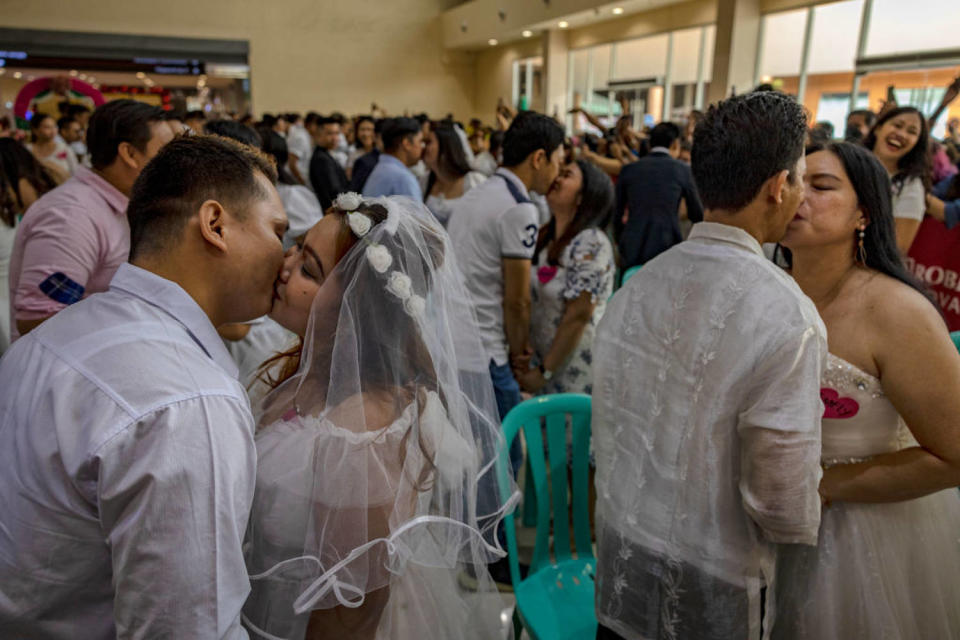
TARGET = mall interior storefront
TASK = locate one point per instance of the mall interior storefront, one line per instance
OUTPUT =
(833, 56)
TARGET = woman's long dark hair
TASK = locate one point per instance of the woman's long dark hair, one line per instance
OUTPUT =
(594, 210)
(874, 195)
(451, 158)
(275, 146)
(916, 163)
(17, 163)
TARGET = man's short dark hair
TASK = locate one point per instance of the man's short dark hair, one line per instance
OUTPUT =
(311, 118)
(325, 120)
(119, 121)
(529, 132)
(233, 130)
(869, 117)
(65, 121)
(395, 130)
(187, 172)
(744, 141)
(664, 134)
(195, 115)
(73, 110)
(291, 117)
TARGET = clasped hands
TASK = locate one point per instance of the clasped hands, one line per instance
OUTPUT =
(530, 379)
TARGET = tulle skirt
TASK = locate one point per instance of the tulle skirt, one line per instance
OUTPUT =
(880, 571)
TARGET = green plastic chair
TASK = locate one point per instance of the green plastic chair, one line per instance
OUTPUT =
(629, 274)
(555, 600)
(956, 339)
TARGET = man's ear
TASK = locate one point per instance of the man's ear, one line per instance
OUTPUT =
(127, 154)
(537, 159)
(212, 217)
(775, 186)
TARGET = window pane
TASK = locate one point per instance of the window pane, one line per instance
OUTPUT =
(708, 52)
(686, 54)
(640, 59)
(836, 28)
(897, 26)
(601, 67)
(579, 61)
(782, 43)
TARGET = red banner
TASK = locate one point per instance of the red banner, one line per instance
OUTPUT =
(935, 259)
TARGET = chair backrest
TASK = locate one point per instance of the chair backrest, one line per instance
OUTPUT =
(629, 273)
(956, 339)
(552, 497)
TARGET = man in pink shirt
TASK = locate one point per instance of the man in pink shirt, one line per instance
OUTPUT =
(73, 239)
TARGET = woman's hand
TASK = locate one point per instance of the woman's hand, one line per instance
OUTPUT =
(531, 380)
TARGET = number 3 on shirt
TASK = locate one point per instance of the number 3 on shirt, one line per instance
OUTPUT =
(530, 239)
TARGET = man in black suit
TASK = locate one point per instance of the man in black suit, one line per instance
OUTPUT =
(326, 175)
(649, 195)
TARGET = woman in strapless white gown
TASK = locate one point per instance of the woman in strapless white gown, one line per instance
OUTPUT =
(887, 564)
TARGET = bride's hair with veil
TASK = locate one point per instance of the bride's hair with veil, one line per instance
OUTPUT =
(377, 446)
(398, 375)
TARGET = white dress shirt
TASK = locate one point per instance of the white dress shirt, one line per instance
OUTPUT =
(706, 424)
(127, 469)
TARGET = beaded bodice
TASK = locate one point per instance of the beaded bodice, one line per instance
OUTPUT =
(859, 421)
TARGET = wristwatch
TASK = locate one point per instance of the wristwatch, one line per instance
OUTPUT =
(547, 375)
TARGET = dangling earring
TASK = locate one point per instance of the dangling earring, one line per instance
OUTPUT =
(861, 251)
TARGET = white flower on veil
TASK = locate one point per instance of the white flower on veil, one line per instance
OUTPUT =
(400, 285)
(359, 223)
(348, 201)
(415, 306)
(379, 257)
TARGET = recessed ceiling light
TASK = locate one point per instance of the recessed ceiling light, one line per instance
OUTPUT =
(527, 33)
(492, 42)
(17, 75)
(563, 24)
(83, 76)
(73, 73)
(141, 75)
(617, 11)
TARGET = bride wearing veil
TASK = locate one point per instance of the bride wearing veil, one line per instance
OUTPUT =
(377, 446)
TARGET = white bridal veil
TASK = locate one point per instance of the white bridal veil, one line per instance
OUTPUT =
(376, 482)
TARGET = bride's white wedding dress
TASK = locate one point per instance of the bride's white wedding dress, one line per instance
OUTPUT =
(880, 571)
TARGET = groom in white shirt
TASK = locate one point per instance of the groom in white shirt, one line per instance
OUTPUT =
(127, 463)
(706, 397)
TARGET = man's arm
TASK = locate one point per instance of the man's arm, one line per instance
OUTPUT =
(780, 442)
(516, 304)
(60, 252)
(518, 231)
(174, 496)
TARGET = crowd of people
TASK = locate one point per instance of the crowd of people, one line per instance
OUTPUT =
(255, 371)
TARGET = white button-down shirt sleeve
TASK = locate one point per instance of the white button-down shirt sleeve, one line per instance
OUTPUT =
(780, 442)
(174, 493)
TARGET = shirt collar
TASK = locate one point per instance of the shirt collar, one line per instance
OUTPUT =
(170, 298)
(115, 199)
(660, 150)
(718, 232)
(386, 157)
(512, 177)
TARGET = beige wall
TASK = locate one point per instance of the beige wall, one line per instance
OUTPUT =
(304, 54)
(494, 74)
(670, 18)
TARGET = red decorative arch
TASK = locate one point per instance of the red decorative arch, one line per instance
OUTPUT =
(34, 88)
